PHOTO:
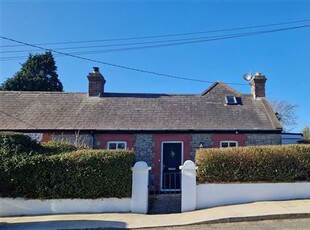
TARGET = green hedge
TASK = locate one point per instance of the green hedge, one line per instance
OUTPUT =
(254, 164)
(57, 170)
(17, 143)
(57, 147)
(80, 174)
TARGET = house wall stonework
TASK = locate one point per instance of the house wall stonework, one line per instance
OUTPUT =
(196, 140)
(144, 148)
(143, 144)
(262, 139)
(148, 146)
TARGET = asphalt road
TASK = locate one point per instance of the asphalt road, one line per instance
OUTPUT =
(285, 224)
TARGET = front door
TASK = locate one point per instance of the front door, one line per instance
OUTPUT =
(171, 160)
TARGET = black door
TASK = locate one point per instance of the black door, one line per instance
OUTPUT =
(172, 158)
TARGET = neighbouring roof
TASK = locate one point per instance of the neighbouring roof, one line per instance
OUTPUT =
(121, 111)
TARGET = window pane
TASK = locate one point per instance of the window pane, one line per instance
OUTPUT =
(224, 144)
(230, 100)
(121, 146)
(232, 144)
(112, 145)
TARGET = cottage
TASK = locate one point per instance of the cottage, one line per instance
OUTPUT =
(163, 129)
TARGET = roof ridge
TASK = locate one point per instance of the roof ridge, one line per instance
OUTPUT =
(210, 88)
(42, 92)
(168, 94)
(108, 93)
(222, 84)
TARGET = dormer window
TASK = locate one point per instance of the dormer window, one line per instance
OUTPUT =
(232, 100)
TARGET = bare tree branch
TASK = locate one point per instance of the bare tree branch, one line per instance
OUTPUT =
(285, 113)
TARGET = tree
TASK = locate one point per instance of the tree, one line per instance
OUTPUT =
(285, 113)
(306, 132)
(38, 73)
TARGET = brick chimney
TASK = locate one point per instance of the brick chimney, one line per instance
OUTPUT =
(258, 85)
(95, 83)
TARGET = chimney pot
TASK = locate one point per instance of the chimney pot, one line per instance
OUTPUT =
(96, 69)
(258, 74)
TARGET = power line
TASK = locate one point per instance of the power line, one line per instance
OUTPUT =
(169, 35)
(160, 45)
(202, 40)
(170, 42)
(176, 42)
(120, 44)
(115, 65)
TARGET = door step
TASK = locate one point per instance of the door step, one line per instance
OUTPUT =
(165, 204)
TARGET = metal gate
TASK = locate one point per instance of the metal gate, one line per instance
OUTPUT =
(171, 182)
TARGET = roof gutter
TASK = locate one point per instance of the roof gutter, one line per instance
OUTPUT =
(93, 131)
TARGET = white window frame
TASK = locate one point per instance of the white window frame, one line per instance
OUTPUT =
(229, 142)
(116, 142)
(235, 100)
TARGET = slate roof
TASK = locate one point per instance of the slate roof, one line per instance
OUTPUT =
(143, 112)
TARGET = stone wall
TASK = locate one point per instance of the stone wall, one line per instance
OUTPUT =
(143, 143)
(196, 140)
(144, 148)
(262, 139)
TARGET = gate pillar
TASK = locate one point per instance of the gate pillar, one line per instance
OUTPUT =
(140, 191)
(188, 200)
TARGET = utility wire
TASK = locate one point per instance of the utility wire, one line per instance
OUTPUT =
(193, 41)
(120, 44)
(114, 65)
(169, 35)
(170, 42)
(178, 41)
(123, 44)
(162, 45)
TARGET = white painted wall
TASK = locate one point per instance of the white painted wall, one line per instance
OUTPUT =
(138, 203)
(210, 195)
(140, 190)
(21, 206)
(188, 199)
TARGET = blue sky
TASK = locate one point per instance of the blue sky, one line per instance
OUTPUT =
(284, 57)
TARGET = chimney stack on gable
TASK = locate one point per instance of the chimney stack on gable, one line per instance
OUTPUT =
(96, 83)
(258, 85)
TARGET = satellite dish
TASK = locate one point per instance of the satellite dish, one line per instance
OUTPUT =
(247, 77)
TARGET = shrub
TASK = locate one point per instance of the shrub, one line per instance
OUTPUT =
(57, 147)
(254, 164)
(17, 143)
(80, 174)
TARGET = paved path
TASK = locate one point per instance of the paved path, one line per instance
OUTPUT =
(289, 224)
(165, 204)
(251, 211)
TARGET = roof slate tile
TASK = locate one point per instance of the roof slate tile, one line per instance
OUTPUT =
(114, 111)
